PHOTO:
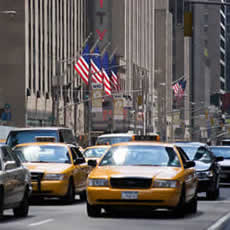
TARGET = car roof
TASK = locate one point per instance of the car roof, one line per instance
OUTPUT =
(145, 143)
(220, 146)
(38, 128)
(116, 135)
(45, 143)
(196, 144)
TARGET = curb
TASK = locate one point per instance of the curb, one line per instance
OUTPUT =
(220, 222)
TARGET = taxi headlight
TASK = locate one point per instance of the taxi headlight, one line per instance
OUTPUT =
(98, 183)
(166, 184)
(54, 177)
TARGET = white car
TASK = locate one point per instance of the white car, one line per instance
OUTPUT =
(15, 183)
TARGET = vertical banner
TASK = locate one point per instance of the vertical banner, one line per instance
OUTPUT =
(118, 105)
(97, 94)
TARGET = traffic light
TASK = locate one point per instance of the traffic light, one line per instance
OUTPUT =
(188, 24)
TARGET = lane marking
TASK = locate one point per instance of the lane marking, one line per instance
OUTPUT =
(41, 222)
(220, 222)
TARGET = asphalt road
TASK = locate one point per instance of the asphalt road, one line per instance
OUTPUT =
(54, 215)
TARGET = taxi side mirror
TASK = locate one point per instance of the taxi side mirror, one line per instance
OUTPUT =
(189, 164)
(92, 163)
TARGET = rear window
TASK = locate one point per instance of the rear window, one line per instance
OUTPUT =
(112, 140)
(19, 137)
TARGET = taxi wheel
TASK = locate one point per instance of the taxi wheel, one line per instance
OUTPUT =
(1, 201)
(70, 196)
(23, 209)
(192, 205)
(93, 210)
(213, 195)
(180, 208)
(83, 196)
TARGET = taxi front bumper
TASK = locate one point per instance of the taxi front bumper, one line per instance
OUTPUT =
(50, 188)
(156, 197)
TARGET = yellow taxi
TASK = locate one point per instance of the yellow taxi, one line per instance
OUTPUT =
(95, 152)
(57, 169)
(145, 174)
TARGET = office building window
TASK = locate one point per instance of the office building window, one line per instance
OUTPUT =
(180, 11)
(222, 70)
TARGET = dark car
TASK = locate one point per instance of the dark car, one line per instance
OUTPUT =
(223, 151)
(40, 134)
(207, 167)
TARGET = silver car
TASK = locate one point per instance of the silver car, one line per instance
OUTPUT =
(15, 184)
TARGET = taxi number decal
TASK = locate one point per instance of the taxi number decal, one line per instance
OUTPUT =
(129, 195)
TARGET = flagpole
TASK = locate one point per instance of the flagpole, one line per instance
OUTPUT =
(90, 105)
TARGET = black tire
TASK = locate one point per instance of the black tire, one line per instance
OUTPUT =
(179, 211)
(23, 209)
(93, 210)
(70, 196)
(213, 195)
(1, 201)
(83, 196)
(192, 205)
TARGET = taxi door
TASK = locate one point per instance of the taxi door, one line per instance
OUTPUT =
(190, 177)
(83, 169)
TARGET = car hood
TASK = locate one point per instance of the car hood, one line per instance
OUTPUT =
(135, 171)
(225, 162)
(201, 166)
(47, 167)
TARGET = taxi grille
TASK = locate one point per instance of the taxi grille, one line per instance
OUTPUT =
(36, 176)
(130, 182)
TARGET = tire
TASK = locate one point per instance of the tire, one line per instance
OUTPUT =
(213, 195)
(23, 209)
(1, 201)
(83, 196)
(179, 211)
(70, 196)
(93, 210)
(192, 205)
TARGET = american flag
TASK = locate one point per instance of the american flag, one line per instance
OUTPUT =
(114, 76)
(83, 63)
(97, 76)
(179, 88)
(106, 72)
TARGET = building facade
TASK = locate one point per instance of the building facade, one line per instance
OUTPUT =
(42, 40)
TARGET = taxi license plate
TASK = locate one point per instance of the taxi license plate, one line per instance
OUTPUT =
(129, 195)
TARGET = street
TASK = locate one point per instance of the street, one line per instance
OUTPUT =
(52, 214)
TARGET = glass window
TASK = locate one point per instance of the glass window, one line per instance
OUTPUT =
(45, 153)
(94, 152)
(18, 137)
(112, 140)
(221, 152)
(136, 155)
(6, 155)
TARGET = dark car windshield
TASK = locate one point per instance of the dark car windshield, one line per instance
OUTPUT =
(112, 140)
(197, 153)
(45, 153)
(95, 152)
(137, 155)
(19, 137)
(221, 152)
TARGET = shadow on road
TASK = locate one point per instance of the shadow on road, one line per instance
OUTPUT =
(140, 214)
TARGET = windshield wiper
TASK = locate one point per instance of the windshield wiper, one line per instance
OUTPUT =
(40, 162)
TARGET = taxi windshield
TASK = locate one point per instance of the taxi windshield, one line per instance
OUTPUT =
(45, 154)
(96, 152)
(137, 155)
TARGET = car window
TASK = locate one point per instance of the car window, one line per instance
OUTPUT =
(183, 155)
(76, 153)
(18, 137)
(203, 154)
(67, 136)
(94, 152)
(112, 140)
(15, 157)
(6, 156)
(221, 152)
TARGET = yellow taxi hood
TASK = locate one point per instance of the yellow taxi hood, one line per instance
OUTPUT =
(157, 172)
(47, 167)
